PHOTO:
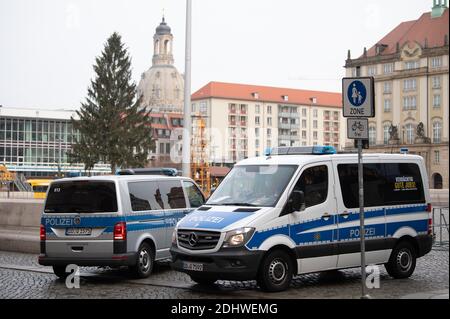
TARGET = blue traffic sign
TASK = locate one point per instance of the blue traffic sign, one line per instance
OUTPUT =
(357, 93)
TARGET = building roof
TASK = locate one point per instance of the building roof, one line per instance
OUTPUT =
(247, 92)
(426, 28)
(37, 113)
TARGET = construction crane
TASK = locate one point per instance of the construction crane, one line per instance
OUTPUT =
(200, 169)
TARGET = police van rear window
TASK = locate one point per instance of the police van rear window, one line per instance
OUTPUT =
(81, 197)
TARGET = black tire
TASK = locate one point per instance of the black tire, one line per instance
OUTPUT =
(60, 271)
(402, 262)
(145, 261)
(275, 272)
(204, 281)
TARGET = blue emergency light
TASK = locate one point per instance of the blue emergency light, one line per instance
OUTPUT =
(301, 150)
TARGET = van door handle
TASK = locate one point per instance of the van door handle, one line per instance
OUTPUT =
(344, 215)
(326, 216)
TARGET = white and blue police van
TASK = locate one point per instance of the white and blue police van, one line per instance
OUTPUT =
(117, 221)
(296, 211)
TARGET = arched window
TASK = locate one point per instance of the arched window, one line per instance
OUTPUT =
(409, 128)
(437, 181)
(386, 134)
(166, 47)
(372, 135)
(437, 132)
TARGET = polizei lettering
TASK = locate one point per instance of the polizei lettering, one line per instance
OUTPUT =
(59, 221)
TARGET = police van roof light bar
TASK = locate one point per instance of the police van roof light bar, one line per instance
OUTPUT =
(301, 150)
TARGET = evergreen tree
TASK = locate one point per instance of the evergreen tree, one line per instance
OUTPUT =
(112, 127)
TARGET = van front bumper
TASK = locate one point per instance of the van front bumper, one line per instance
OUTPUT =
(227, 263)
(116, 260)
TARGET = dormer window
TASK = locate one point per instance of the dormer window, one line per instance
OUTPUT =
(313, 100)
(255, 95)
(285, 97)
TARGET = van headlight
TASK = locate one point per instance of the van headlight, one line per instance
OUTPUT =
(238, 237)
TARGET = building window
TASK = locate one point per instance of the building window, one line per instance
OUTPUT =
(269, 143)
(232, 108)
(387, 105)
(409, 85)
(315, 135)
(269, 132)
(387, 87)
(303, 123)
(437, 100)
(257, 120)
(436, 62)
(203, 107)
(257, 131)
(437, 157)
(257, 109)
(388, 68)
(193, 109)
(315, 113)
(315, 124)
(386, 134)
(436, 82)
(304, 112)
(303, 134)
(257, 143)
(437, 132)
(372, 135)
(269, 121)
(409, 103)
(243, 108)
(372, 70)
(409, 133)
(411, 65)
(269, 109)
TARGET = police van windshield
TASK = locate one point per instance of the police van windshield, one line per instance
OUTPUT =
(81, 197)
(253, 185)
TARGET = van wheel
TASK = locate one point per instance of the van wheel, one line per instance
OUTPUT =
(60, 271)
(402, 262)
(144, 261)
(205, 281)
(275, 272)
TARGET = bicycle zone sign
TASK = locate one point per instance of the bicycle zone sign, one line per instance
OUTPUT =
(358, 98)
(357, 128)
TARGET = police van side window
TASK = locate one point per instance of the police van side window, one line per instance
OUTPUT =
(384, 184)
(195, 197)
(145, 196)
(314, 184)
(404, 184)
(374, 184)
(172, 194)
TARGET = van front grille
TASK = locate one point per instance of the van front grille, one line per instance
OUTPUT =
(197, 239)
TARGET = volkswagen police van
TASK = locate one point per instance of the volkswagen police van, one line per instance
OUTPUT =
(113, 220)
(296, 211)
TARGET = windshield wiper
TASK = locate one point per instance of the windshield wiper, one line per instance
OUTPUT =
(238, 204)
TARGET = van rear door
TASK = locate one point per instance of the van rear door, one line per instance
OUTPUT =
(79, 218)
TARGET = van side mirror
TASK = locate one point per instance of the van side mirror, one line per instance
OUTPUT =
(296, 201)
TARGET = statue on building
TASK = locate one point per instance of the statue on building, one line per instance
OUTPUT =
(393, 135)
(420, 134)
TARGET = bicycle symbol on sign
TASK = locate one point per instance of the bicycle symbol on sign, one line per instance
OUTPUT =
(358, 126)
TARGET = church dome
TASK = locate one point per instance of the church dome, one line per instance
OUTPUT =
(163, 28)
(162, 89)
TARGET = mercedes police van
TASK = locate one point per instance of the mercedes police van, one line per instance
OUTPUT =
(113, 220)
(296, 211)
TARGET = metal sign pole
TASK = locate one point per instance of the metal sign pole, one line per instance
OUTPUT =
(361, 221)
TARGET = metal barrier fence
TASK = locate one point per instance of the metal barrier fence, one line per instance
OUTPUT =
(16, 195)
(440, 227)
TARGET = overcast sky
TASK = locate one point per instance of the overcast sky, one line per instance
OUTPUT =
(48, 47)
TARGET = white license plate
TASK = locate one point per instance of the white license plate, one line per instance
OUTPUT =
(79, 231)
(192, 266)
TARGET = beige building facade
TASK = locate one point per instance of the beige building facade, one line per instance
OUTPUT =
(410, 66)
(243, 120)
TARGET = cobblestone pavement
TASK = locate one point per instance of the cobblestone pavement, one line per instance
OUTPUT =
(22, 277)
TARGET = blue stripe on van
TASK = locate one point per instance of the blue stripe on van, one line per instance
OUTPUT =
(297, 231)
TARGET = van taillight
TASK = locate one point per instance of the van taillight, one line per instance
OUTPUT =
(42, 232)
(120, 231)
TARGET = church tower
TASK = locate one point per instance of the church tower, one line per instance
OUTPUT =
(162, 86)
